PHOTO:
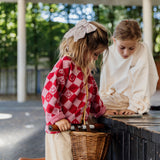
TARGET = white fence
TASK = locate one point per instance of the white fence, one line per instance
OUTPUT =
(8, 81)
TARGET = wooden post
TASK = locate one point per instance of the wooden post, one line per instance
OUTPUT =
(21, 55)
(147, 23)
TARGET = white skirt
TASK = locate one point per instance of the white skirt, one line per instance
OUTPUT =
(58, 146)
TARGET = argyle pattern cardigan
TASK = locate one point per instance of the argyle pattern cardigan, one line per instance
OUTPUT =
(64, 94)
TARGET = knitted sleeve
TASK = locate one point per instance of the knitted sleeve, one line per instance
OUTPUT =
(97, 107)
(53, 87)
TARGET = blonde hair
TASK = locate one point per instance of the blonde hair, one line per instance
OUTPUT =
(127, 30)
(81, 51)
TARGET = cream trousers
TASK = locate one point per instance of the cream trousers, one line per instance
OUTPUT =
(58, 146)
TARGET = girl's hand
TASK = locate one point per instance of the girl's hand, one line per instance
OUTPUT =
(111, 112)
(126, 112)
(63, 125)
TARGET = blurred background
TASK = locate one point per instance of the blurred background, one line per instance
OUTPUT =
(45, 27)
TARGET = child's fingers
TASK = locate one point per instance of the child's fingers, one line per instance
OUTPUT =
(126, 112)
(62, 128)
(68, 126)
(122, 112)
(63, 125)
(111, 112)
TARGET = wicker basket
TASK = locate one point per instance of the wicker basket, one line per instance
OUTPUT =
(89, 145)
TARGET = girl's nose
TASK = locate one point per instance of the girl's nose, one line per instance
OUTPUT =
(126, 52)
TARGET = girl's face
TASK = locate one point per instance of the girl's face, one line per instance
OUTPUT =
(97, 52)
(125, 48)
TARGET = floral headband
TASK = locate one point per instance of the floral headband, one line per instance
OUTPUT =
(80, 30)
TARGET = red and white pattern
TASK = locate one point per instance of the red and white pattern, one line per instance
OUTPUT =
(64, 94)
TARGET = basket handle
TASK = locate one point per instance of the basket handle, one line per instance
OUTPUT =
(54, 127)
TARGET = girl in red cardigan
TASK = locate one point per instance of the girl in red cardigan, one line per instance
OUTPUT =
(70, 92)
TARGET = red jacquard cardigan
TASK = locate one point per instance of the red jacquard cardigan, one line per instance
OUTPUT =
(64, 94)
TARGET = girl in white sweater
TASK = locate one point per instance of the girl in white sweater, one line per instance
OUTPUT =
(129, 75)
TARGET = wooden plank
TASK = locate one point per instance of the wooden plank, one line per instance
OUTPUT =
(155, 135)
(157, 154)
(150, 150)
(141, 149)
(118, 145)
(133, 147)
(135, 139)
(127, 146)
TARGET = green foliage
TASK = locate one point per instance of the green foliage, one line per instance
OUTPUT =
(109, 15)
(44, 34)
(8, 32)
(156, 31)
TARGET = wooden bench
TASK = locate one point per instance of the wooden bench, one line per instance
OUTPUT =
(134, 138)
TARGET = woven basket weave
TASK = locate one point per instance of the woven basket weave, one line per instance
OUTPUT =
(89, 145)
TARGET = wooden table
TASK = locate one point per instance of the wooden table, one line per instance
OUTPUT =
(134, 138)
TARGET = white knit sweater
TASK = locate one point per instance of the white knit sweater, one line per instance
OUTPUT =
(128, 83)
